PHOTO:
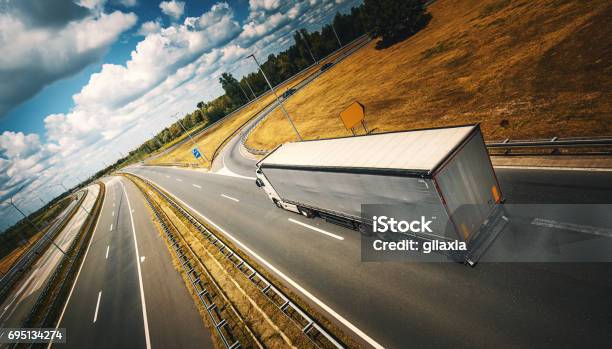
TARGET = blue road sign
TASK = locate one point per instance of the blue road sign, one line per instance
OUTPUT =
(196, 153)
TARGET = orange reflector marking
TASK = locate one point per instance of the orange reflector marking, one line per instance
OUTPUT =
(466, 232)
(496, 195)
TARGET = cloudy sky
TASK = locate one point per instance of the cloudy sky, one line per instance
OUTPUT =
(83, 80)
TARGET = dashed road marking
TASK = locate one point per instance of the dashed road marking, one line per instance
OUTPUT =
(97, 307)
(316, 229)
(229, 197)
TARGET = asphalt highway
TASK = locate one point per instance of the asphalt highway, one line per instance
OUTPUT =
(20, 301)
(395, 305)
(127, 293)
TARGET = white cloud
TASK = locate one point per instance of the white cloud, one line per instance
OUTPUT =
(149, 27)
(33, 57)
(265, 5)
(261, 23)
(128, 3)
(18, 145)
(173, 8)
(159, 55)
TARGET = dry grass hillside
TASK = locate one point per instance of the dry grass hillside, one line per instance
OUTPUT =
(521, 68)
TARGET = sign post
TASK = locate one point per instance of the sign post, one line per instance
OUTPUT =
(353, 115)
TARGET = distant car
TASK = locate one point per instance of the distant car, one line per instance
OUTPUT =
(289, 92)
(326, 66)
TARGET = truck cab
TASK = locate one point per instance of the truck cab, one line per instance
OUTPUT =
(263, 183)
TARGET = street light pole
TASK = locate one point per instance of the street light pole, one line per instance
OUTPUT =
(66, 189)
(307, 46)
(12, 203)
(331, 24)
(245, 94)
(191, 139)
(37, 196)
(277, 98)
(155, 138)
(249, 86)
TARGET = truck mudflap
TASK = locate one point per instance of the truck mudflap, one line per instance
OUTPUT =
(485, 236)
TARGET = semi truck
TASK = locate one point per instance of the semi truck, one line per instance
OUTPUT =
(447, 169)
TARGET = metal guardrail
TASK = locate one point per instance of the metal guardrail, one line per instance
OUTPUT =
(554, 143)
(178, 164)
(24, 263)
(308, 325)
(207, 295)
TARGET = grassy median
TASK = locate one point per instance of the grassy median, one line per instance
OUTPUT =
(258, 316)
(523, 69)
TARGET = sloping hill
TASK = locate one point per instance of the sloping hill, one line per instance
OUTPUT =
(522, 68)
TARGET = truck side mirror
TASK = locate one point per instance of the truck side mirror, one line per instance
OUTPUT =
(259, 182)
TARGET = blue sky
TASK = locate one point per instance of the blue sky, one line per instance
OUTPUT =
(83, 80)
(56, 97)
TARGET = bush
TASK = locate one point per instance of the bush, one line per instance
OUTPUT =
(393, 20)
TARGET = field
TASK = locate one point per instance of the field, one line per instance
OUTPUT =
(523, 69)
(212, 139)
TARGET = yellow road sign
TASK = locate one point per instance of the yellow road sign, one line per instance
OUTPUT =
(354, 114)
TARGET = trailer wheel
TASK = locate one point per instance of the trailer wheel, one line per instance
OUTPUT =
(306, 212)
(363, 229)
(277, 203)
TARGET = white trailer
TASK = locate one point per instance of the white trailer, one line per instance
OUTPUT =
(444, 167)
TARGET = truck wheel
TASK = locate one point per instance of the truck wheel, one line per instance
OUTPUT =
(306, 212)
(363, 229)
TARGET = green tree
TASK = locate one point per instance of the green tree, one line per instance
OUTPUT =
(232, 89)
(393, 20)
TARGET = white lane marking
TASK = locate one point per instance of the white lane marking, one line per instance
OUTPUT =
(97, 307)
(274, 269)
(555, 168)
(107, 248)
(167, 176)
(142, 295)
(113, 214)
(316, 229)
(142, 258)
(59, 321)
(229, 197)
(113, 204)
(179, 180)
(111, 228)
(586, 229)
(197, 186)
